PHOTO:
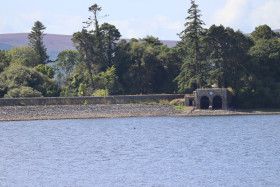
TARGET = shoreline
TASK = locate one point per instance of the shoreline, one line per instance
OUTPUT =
(58, 112)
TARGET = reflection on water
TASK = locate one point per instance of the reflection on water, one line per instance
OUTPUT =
(157, 151)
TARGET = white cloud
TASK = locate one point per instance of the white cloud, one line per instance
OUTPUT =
(23, 22)
(248, 14)
(231, 13)
(133, 33)
(165, 23)
(55, 23)
(139, 28)
(121, 24)
(64, 24)
(177, 25)
(18, 22)
(268, 14)
(3, 24)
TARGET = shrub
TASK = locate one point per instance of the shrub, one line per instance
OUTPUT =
(23, 91)
(177, 102)
(108, 80)
(17, 76)
(82, 90)
(100, 93)
(46, 70)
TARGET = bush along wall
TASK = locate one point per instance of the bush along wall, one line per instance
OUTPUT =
(89, 100)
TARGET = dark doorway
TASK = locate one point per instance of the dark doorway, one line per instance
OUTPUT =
(190, 102)
(217, 102)
(204, 103)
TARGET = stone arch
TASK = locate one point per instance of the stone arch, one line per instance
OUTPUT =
(204, 102)
(217, 102)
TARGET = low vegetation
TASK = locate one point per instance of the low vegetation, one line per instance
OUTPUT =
(178, 104)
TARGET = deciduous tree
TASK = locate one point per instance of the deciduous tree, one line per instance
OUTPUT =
(227, 54)
(66, 61)
(83, 41)
(23, 55)
(110, 36)
(263, 32)
(4, 62)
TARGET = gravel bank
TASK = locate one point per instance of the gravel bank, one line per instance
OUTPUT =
(12, 113)
(8, 113)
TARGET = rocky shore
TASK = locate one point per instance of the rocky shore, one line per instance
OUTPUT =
(8, 113)
(12, 113)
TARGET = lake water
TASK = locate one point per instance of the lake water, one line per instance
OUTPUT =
(154, 151)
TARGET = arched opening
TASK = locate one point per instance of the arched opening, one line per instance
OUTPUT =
(204, 103)
(190, 102)
(217, 102)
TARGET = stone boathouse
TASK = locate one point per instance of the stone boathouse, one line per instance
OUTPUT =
(212, 99)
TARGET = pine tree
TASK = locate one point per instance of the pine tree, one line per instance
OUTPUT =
(98, 47)
(193, 70)
(36, 42)
(89, 43)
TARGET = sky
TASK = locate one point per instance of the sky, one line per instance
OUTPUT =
(137, 18)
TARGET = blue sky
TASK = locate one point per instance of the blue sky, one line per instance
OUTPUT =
(137, 18)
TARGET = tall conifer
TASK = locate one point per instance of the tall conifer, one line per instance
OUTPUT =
(194, 68)
(36, 41)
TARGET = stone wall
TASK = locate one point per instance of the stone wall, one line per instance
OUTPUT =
(190, 99)
(211, 94)
(121, 99)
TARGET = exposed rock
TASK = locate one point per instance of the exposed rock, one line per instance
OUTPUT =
(81, 111)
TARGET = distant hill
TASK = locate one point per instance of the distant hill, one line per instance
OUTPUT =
(54, 43)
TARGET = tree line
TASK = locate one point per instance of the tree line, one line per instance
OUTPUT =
(102, 64)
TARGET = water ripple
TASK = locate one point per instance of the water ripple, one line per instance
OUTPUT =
(157, 151)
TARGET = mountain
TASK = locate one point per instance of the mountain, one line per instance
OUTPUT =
(54, 43)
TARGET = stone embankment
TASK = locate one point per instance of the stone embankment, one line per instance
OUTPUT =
(13, 113)
(8, 113)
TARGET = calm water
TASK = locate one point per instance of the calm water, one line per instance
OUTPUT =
(158, 151)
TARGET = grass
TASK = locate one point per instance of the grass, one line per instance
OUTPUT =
(163, 102)
(22, 104)
(178, 104)
(151, 102)
(180, 107)
(85, 103)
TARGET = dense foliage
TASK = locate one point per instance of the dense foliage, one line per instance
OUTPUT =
(23, 70)
(102, 64)
(17, 77)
